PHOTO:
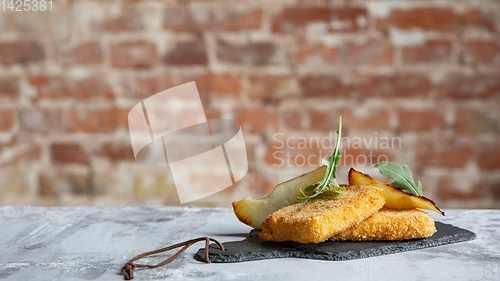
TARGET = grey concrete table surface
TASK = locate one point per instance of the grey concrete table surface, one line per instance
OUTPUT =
(93, 243)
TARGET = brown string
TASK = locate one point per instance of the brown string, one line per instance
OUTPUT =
(130, 266)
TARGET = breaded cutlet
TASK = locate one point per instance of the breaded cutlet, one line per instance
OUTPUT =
(323, 216)
(390, 224)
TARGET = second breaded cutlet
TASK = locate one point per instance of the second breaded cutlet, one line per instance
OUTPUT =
(390, 224)
(323, 216)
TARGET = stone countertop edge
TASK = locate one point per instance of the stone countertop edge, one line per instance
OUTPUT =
(93, 243)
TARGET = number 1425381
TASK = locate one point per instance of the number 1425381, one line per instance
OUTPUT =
(26, 5)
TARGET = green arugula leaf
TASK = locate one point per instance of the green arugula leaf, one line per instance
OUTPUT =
(329, 178)
(403, 178)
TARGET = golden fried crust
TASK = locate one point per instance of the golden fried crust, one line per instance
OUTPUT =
(323, 216)
(390, 224)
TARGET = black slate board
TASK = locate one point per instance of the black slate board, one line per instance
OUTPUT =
(254, 248)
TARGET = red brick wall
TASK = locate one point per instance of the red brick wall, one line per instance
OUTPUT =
(426, 73)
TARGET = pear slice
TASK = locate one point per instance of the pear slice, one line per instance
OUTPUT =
(394, 198)
(254, 212)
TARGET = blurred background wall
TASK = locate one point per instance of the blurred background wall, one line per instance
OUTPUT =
(423, 74)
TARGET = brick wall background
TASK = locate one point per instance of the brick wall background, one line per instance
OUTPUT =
(424, 72)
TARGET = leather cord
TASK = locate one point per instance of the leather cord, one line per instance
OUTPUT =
(130, 266)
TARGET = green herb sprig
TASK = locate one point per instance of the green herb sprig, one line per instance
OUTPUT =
(329, 178)
(403, 178)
